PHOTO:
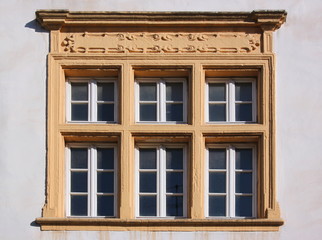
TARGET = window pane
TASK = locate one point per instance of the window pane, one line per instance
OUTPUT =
(105, 158)
(244, 112)
(217, 158)
(217, 112)
(105, 182)
(244, 206)
(148, 112)
(217, 206)
(243, 91)
(148, 182)
(78, 205)
(174, 91)
(78, 182)
(174, 206)
(105, 205)
(174, 182)
(174, 112)
(80, 112)
(79, 91)
(217, 91)
(105, 112)
(105, 91)
(148, 158)
(244, 159)
(148, 92)
(148, 206)
(217, 182)
(174, 158)
(78, 158)
(244, 182)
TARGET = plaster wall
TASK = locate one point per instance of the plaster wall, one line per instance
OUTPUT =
(23, 50)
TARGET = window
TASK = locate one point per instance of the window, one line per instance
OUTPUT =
(161, 100)
(231, 100)
(161, 181)
(92, 100)
(193, 96)
(231, 179)
(91, 181)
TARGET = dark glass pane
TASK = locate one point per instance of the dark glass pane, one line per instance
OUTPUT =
(105, 112)
(244, 206)
(217, 206)
(105, 158)
(79, 91)
(78, 182)
(80, 112)
(243, 91)
(148, 92)
(244, 182)
(105, 182)
(174, 112)
(217, 182)
(217, 92)
(244, 159)
(78, 157)
(105, 91)
(148, 158)
(217, 112)
(217, 158)
(148, 182)
(148, 206)
(78, 205)
(174, 91)
(174, 206)
(148, 112)
(174, 182)
(244, 112)
(174, 158)
(105, 205)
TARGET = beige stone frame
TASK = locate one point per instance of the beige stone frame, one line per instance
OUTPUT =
(222, 44)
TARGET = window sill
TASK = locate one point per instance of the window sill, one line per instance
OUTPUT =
(99, 224)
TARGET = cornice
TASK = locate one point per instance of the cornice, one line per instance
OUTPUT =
(264, 19)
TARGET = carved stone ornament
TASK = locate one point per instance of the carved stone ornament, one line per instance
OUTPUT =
(160, 43)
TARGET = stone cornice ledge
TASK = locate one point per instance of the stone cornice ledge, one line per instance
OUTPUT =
(264, 224)
(266, 19)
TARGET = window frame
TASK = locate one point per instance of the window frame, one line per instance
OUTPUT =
(91, 178)
(161, 99)
(242, 45)
(92, 98)
(230, 83)
(230, 179)
(161, 180)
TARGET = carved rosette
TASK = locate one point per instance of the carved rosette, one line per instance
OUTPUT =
(161, 43)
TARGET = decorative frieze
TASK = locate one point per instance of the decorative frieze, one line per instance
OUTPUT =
(160, 43)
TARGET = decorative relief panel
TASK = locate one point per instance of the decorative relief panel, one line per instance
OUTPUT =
(160, 43)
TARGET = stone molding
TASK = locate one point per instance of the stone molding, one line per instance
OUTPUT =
(55, 19)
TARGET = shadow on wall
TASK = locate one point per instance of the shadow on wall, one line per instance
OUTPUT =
(35, 25)
(38, 29)
(34, 224)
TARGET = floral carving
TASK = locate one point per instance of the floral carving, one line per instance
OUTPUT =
(68, 44)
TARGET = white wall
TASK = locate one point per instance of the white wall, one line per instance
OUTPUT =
(23, 50)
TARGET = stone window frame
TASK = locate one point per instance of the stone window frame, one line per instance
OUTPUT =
(248, 53)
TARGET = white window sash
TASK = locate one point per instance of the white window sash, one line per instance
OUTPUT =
(92, 98)
(161, 99)
(91, 178)
(230, 99)
(230, 179)
(161, 180)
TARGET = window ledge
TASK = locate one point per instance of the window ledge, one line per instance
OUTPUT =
(97, 224)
